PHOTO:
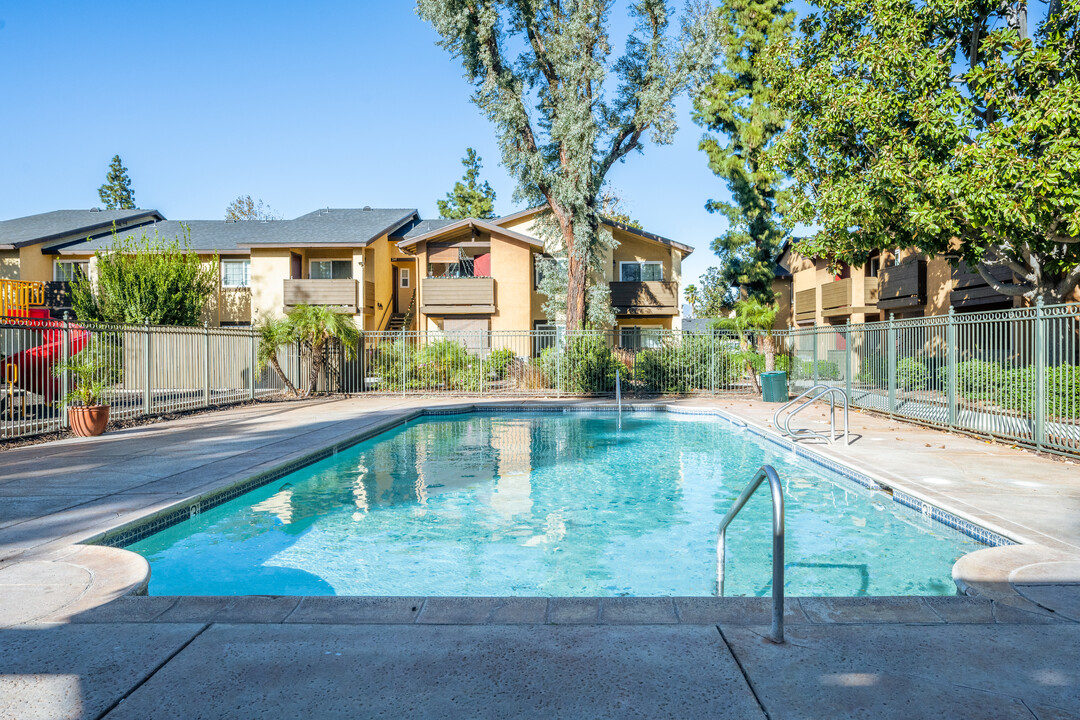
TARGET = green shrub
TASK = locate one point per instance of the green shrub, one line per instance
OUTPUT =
(584, 364)
(912, 374)
(693, 364)
(498, 362)
(445, 365)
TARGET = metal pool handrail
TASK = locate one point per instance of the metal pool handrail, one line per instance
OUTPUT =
(765, 472)
(618, 395)
(822, 390)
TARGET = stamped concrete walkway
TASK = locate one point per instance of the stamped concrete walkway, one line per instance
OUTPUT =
(74, 643)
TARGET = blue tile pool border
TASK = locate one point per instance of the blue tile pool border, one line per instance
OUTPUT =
(145, 527)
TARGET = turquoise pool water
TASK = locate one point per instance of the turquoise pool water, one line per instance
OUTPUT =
(551, 505)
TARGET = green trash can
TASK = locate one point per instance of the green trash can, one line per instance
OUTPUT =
(774, 386)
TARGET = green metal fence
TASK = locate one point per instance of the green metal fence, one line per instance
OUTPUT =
(1007, 374)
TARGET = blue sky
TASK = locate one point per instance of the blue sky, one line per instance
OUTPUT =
(302, 105)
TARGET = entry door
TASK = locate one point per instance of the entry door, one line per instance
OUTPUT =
(396, 285)
(296, 266)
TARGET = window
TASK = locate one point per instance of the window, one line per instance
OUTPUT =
(69, 270)
(539, 262)
(641, 271)
(637, 338)
(404, 275)
(236, 273)
(331, 270)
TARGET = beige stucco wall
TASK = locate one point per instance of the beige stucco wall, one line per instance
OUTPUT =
(34, 265)
(511, 266)
(635, 249)
(269, 269)
(9, 265)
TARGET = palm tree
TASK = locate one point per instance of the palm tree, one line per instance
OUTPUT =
(317, 325)
(692, 298)
(273, 333)
(752, 314)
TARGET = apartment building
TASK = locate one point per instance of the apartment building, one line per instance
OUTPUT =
(386, 266)
(900, 284)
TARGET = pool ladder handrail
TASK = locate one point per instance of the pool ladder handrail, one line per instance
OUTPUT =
(820, 391)
(765, 472)
(618, 396)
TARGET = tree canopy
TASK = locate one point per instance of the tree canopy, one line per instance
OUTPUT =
(542, 73)
(116, 193)
(737, 103)
(243, 208)
(146, 278)
(470, 198)
(939, 125)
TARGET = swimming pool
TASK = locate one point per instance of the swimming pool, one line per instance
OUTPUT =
(546, 504)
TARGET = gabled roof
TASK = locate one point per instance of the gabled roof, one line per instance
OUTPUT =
(681, 247)
(455, 226)
(419, 227)
(338, 226)
(58, 224)
(206, 236)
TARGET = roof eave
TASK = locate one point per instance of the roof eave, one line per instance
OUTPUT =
(470, 222)
(90, 229)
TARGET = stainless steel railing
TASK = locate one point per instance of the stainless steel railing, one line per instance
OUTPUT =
(815, 393)
(766, 472)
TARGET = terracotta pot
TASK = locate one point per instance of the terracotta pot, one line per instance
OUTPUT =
(88, 421)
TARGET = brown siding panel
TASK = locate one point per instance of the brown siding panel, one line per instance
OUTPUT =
(645, 298)
(343, 293)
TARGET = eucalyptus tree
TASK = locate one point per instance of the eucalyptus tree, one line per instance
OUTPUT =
(939, 125)
(564, 110)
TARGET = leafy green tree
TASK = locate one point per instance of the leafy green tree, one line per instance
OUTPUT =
(471, 198)
(116, 193)
(717, 297)
(318, 325)
(937, 125)
(753, 322)
(610, 207)
(560, 124)
(738, 103)
(273, 334)
(146, 278)
(243, 208)
(693, 298)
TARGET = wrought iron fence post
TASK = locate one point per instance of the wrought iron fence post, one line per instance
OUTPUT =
(251, 383)
(403, 364)
(361, 349)
(206, 364)
(480, 356)
(847, 360)
(1040, 374)
(890, 370)
(65, 379)
(147, 399)
(712, 359)
(952, 349)
(813, 362)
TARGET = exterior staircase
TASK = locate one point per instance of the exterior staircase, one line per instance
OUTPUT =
(402, 321)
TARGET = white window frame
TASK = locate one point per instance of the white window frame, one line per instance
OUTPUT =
(246, 262)
(644, 337)
(641, 263)
(312, 261)
(404, 278)
(84, 264)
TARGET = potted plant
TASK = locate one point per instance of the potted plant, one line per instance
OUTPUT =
(91, 372)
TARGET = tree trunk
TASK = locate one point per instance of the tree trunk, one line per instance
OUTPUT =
(284, 378)
(770, 353)
(575, 292)
(316, 368)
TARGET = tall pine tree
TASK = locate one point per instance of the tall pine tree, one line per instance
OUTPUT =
(471, 198)
(738, 104)
(116, 193)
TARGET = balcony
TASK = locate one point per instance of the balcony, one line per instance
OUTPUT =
(648, 297)
(806, 305)
(457, 296)
(58, 295)
(971, 292)
(850, 295)
(338, 293)
(902, 286)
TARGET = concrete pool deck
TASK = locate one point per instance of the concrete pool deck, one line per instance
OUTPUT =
(72, 644)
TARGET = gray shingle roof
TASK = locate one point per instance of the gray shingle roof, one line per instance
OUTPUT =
(420, 227)
(58, 224)
(205, 235)
(345, 226)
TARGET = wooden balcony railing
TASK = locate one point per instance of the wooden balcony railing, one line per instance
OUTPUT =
(850, 295)
(806, 304)
(457, 296)
(338, 293)
(902, 286)
(971, 292)
(648, 297)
